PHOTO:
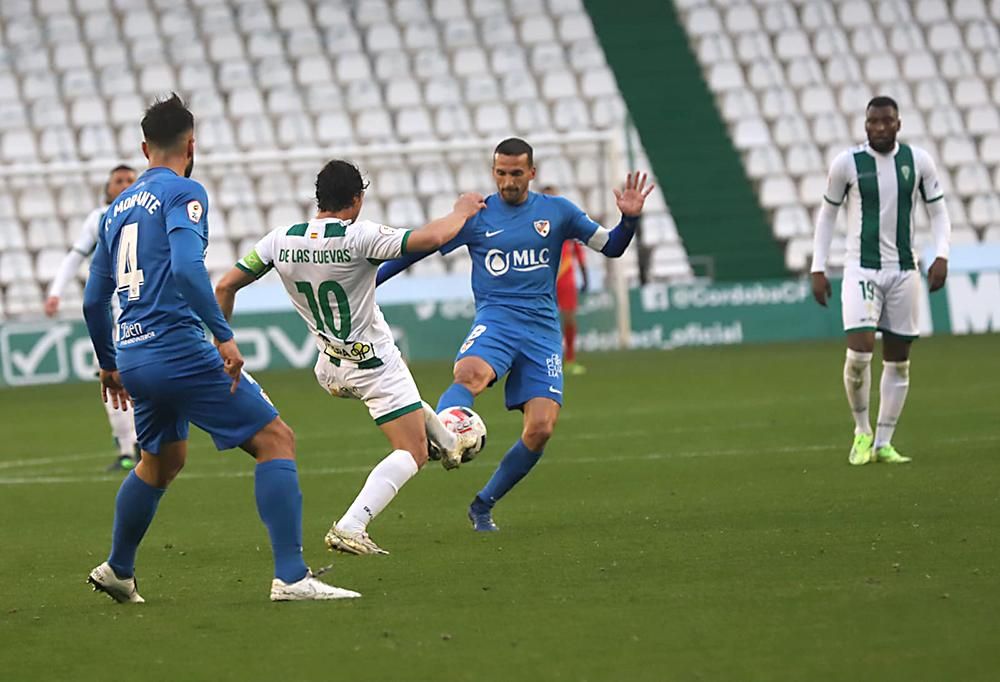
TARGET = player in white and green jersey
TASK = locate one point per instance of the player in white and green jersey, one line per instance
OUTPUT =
(881, 181)
(328, 268)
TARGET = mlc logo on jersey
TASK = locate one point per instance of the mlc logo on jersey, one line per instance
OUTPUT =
(522, 260)
(542, 227)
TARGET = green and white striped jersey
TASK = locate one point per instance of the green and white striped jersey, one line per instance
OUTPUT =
(328, 268)
(881, 191)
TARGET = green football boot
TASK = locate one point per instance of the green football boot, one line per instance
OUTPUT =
(861, 451)
(888, 454)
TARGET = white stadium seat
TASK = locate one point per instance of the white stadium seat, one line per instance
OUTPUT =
(18, 145)
(451, 121)
(410, 10)
(532, 115)
(414, 123)
(15, 266)
(317, 69)
(420, 35)
(351, 67)
(392, 64)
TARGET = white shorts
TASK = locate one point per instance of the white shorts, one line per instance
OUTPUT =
(883, 300)
(388, 391)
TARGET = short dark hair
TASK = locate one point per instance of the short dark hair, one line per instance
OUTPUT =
(337, 185)
(121, 167)
(882, 101)
(165, 121)
(515, 146)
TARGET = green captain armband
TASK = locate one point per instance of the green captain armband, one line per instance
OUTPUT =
(252, 264)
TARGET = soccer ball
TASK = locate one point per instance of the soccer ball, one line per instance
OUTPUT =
(466, 424)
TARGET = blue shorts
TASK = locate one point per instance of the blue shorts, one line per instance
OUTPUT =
(518, 343)
(164, 405)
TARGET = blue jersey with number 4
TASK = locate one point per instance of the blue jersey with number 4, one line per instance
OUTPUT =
(156, 323)
(515, 250)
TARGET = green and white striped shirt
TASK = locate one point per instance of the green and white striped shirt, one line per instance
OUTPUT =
(881, 191)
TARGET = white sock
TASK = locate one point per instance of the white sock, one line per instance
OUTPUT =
(436, 431)
(895, 384)
(858, 382)
(122, 428)
(383, 483)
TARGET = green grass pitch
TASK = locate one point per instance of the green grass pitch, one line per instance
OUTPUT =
(694, 518)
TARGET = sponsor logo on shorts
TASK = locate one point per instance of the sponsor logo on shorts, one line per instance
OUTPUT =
(554, 365)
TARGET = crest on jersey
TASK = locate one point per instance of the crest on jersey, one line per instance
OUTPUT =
(194, 210)
(905, 170)
(542, 227)
(386, 230)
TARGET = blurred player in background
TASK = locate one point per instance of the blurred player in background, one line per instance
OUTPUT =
(151, 252)
(328, 267)
(514, 243)
(122, 426)
(567, 294)
(881, 182)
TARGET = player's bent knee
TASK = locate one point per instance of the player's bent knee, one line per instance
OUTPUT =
(160, 470)
(474, 376)
(537, 433)
(274, 441)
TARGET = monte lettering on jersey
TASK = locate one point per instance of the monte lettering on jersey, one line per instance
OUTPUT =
(146, 200)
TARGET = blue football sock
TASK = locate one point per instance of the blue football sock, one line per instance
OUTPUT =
(135, 507)
(513, 467)
(279, 503)
(457, 395)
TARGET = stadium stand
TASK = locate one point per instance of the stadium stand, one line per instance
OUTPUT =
(792, 79)
(295, 75)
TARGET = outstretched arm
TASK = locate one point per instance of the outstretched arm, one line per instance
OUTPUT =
(439, 232)
(431, 237)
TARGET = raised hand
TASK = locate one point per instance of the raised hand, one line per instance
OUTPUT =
(631, 199)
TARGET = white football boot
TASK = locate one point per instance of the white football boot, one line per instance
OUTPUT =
(122, 590)
(358, 543)
(310, 588)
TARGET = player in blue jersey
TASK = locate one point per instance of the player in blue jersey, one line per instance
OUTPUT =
(515, 244)
(150, 251)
